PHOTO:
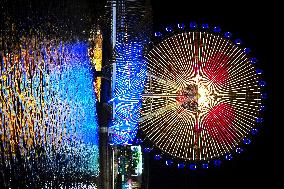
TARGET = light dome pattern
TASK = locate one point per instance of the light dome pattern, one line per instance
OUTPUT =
(202, 97)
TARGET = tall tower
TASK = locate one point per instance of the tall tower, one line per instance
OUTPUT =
(127, 25)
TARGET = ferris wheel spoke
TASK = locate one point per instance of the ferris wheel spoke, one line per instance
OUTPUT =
(201, 97)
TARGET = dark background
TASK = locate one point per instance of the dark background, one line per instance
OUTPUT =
(257, 24)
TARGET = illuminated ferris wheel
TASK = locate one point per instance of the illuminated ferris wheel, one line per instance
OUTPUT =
(203, 96)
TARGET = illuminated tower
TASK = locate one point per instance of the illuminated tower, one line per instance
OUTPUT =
(130, 22)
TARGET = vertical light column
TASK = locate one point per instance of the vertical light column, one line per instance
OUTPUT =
(114, 15)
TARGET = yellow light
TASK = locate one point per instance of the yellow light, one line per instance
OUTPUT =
(95, 53)
(97, 86)
(203, 100)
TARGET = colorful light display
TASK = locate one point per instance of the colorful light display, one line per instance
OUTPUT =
(202, 97)
(48, 123)
(130, 80)
(96, 55)
(128, 164)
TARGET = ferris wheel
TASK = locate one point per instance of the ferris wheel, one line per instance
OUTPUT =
(203, 97)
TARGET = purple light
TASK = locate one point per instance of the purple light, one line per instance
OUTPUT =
(253, 60)
(169, 29)
(205, 165)
(139, 141)
(258, 71)
(239, 150)
(193, 166)
(192, 25)
(217, 29)
(217, 163)
(229, 157)
(262, 108)
(246, 141)
(228, 35)
(247, 50)
(262, 83)
(263, 95)
(259, 120)
(204, 26)
(181, 165)
(158, 34)
(157, 157)
(238, 41)
(169, 162)
(254, 131)
(181, 26)
(147, 150)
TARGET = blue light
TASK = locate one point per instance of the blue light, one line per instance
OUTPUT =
(217, 163)
(169, 29)
(239, 150)
(169, 162)
(259, 120)
(139, 141)
(157, 157)
(181, 26)
(217, 29)
(205, 166)
(263, 95)
(147, 150)
(253, 60)
(229, 157)
(254, 131)
(262, 108)
(238, 41)
(193, 166)
(73, 86)
(262, 83)
(158, 34)
(181, 165)
(228, 35)
(192, 25)
(205, 26)
(259, 71)
(247, 50)
(131, 73)
(246, 141)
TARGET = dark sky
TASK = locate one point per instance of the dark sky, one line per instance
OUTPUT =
(257, 25)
